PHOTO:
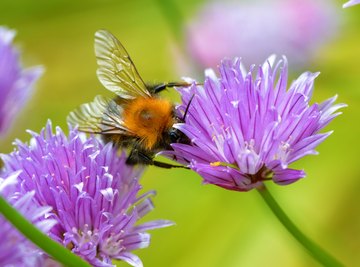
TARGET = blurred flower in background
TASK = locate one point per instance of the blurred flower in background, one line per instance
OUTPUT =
(351, 3)
(16, 83)
(247, 127)
(253, 30)
(93, 193)
(16, 250)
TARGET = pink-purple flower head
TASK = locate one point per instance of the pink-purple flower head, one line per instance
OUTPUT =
(16, 250)
(246, 127)
(351, 3)
(16, 83)
(256, 29)
(93, 193)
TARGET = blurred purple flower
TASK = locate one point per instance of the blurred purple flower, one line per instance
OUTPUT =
(255, 29)
(351, 3)
(16, 83)
(92, 191)
(247, 127)
(16, 250)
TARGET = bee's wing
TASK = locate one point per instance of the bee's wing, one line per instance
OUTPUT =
(102, 116)
(116, 71)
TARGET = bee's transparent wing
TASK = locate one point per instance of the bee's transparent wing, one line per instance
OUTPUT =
(102, 116)
(116, 71)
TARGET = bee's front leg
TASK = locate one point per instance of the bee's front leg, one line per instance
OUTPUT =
(155, 89)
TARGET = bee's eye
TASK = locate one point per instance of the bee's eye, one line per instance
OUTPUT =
(174, 136)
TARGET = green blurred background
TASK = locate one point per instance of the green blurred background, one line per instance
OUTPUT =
(214, 227)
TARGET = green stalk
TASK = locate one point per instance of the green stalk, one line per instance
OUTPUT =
(51, 247)
(315, 251)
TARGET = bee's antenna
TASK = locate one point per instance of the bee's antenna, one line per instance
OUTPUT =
(187, 107)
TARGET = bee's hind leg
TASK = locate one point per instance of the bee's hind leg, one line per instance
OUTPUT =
(137, 156)
(167, 165)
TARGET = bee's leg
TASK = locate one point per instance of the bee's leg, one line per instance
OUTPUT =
(134, 158)
(181, 84)
(167, 165)
(158, 88)
(137, 156)
(162, 86)
(177, 84)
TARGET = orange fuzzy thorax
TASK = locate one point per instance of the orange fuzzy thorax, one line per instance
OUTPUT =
(148, 118)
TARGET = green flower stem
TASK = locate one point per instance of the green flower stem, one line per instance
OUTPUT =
(51, 247)
(315, 251)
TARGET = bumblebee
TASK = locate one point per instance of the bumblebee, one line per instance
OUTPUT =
(136, 118)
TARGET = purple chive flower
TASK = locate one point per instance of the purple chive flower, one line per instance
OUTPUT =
(16, 250)
(93, 193)
(247, 127)
(351, 3)
(256, 29)
(16, 83)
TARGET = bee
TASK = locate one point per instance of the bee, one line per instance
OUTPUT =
(136, 118)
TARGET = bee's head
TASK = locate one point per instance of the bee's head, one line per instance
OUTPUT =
(176, 136)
